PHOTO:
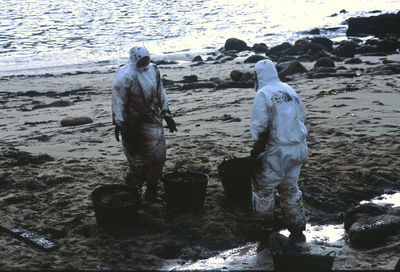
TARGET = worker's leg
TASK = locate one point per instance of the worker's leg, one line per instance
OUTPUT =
(264, 182)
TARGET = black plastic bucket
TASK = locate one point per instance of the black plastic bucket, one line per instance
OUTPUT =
(115, 205)
(185, 191)
(302, 263)
(235, 177)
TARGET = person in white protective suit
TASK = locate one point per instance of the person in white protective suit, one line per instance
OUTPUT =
(280, 147)
(139, 104)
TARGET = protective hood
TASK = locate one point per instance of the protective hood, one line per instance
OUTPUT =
(143, 85)
(136, 53)
(266, 73)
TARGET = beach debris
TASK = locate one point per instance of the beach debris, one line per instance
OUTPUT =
(232, 84)
(59, 103)
(75, 121)
(19, 158)
(199, 85)
(30, 237)
(189, 79)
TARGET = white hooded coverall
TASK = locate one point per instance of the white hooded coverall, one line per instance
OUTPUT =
(139, 102)
(279, 112)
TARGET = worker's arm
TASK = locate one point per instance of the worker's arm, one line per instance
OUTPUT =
(259, 124)
(164, 104)
(118, 103)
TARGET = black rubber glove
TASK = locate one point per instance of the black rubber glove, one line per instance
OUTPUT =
(170, 123)
(119, 129)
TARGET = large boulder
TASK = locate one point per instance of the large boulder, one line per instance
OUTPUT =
(374, 25)
(325, 42)
(235, 44)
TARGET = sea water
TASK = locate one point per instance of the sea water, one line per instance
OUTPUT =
(38, 36)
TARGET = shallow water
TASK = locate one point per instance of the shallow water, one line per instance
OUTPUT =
(246, 256)
(38, 33)
(392, 200)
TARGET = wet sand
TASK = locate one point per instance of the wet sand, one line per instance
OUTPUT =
(354, 155)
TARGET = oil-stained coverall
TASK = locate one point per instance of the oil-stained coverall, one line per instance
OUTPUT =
(280, 147)
(139, 104)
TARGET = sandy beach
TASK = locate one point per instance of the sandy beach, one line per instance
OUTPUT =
(49, 171)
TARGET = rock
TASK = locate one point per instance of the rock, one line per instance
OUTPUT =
(190, 79)
(324, 62)
(388, 45)
(231, 84)
(372, 230)
(365, 49)
(216, 80)
(374, 25)
(392, 68)
(59, 103)
(197, 58)
(75, 121)
(236, 75)
(167, 82)
(324, 70)
(353, 61)
(323, 75)
(282, 65)
(227, 58)
(199, 85)
(246, 77)
(305, 58)
(286, 59)
(346, 49)
(314, 31)
(293, 68)
(260, 48)
(364, 209)
(164, 62)
(198, 63)
(325, 42)
(235, 44)
(301, 46)
(282, 49)
(254, 59)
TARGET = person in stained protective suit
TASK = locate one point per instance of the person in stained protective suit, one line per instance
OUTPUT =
(279, 150)
(139, 105)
